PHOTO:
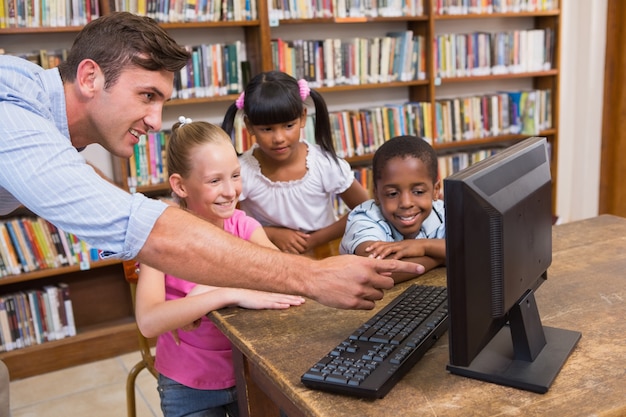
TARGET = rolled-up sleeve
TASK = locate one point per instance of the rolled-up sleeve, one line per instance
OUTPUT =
(40, 169)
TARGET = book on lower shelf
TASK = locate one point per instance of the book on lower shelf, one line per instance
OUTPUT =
(36, 316)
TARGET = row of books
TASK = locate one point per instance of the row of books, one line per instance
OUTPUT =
(482, 53)
(514, 112)
(47, 13)
(360, 131)
(213, 70)
(46, 58)
(292, 9)
(447, 165)
(30, 244)
(177, 11)
(398, 56)
(148, 165)
(461, 7)
(452, 163)
(36, 316)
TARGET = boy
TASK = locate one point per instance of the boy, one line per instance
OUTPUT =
(405, 220)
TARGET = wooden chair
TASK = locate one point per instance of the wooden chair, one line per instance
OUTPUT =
(131, 272)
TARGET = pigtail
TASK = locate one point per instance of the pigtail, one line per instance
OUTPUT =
(228, 124)
(323, 133)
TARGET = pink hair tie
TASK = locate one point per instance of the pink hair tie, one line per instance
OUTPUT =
(239, 101)
(305, 90)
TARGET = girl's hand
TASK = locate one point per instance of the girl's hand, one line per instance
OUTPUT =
(409, 248)
(258, 300)
(288, 240)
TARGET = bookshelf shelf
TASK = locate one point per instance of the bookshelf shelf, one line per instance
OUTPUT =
(377, 86)
(111, 339)
(470, 79)
(502, 140)
(348, 20)
(198, 25)
(39, 30)
(469, 16)
(51, 272)
(200, 100)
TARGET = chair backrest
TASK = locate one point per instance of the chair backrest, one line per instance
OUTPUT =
(131, 273)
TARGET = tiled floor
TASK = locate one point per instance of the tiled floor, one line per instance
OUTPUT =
(97, 389)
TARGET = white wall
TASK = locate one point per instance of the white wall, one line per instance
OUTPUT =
(582, 76)
(583, 39)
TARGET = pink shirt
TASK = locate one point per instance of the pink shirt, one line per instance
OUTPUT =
(203, 360)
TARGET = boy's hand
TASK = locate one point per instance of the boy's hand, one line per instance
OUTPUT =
(410, 248)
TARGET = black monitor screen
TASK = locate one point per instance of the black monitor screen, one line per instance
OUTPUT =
(499, 248)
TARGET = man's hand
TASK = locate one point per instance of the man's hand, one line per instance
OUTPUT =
(354, 282)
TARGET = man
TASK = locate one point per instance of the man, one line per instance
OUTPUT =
(110, 91)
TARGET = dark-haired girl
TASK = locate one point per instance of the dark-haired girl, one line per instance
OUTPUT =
(289, 185)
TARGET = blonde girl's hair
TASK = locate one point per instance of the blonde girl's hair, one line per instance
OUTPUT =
(185, 137)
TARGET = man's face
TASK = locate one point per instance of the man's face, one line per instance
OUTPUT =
(130, 108)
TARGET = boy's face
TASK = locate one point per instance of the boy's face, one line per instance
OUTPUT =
(405, 194)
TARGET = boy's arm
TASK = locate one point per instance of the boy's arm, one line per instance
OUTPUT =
(408, 248)
(429, 262)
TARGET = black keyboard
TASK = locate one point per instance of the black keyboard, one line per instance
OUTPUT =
(370, 361)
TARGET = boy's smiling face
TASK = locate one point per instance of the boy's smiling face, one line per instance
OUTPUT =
(405, 194)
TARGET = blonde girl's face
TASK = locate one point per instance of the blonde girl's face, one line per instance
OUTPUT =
(213, 186)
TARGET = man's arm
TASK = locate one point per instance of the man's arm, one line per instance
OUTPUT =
(190, 248)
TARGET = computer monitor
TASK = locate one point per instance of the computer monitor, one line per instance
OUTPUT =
(498, 250)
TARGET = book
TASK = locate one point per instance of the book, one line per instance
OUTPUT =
(55, 237)
(43, 236)
(54, 311)
(3, 266)
(35, 311)
(33, 243)
(24, 319)
(19, 249)
(7, 334)
(7, 248)
(13, 321)
(44, 319)
(69, 310)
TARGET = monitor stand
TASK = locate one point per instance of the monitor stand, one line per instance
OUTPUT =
(523, 354)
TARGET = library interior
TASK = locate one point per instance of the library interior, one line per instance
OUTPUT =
(474, 79)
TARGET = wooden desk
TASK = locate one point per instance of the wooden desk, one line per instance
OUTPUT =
(585, 291)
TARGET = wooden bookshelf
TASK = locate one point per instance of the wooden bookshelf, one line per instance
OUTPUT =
(102, 292)
(103, 314)
(430, 90)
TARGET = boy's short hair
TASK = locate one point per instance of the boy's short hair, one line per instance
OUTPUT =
(405, 147)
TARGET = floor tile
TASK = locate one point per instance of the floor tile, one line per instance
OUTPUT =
(95, 389)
